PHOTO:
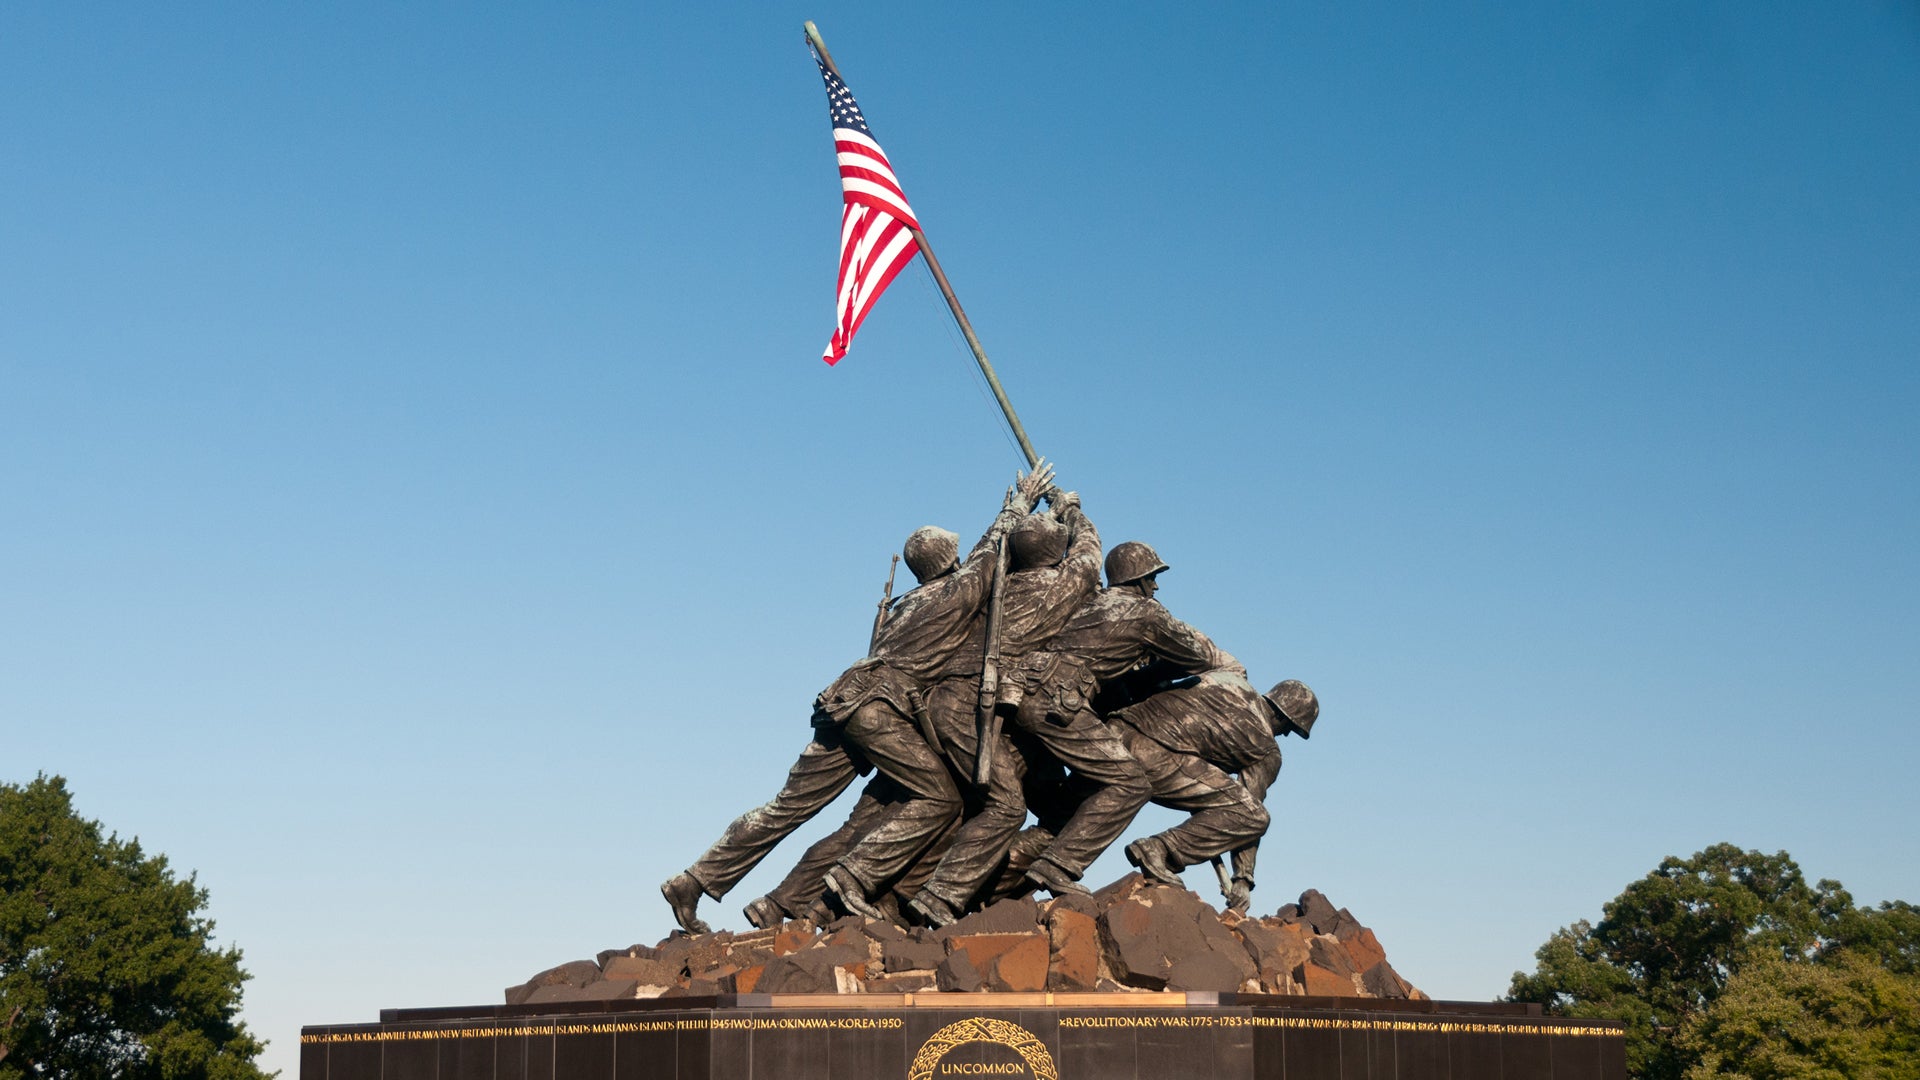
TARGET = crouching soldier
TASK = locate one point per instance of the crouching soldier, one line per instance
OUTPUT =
(1189, 739)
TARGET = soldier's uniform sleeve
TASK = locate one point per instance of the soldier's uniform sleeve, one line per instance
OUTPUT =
(1177, 643)
(968, 585)
(1222, 660)
(1082, 563)
(1256, 778)
(1003, 523)
(1243, 860)
(1260, 775)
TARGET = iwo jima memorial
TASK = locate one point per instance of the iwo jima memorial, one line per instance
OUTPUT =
(1012, 716)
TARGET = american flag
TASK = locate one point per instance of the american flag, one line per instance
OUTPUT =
(875, 241)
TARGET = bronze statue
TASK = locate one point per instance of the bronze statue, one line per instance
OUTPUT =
(1189, 738)
(1010, 683)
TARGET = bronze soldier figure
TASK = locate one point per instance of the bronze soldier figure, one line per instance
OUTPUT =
(948, 711)
(1189, 738)
(1047, 696)
(863, 721)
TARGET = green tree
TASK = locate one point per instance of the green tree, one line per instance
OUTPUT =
(1889, 933)
(1664, 949)
(1728, 964)
(106, 969)
(1846, 1016)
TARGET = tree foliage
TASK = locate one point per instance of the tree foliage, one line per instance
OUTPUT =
(1846, 1017)
(1701, 957)
(106, 968)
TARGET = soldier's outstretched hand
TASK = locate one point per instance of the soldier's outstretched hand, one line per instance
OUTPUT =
(1036, 483)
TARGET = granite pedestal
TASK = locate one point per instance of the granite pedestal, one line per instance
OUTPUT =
(950, 1036)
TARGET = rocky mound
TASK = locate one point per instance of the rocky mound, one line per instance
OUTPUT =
(1131, 936)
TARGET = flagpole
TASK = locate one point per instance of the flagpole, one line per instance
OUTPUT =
(946, 290)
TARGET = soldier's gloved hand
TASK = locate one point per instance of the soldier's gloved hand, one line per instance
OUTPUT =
(1034, 484)
(1063, 502)
(1240, 897)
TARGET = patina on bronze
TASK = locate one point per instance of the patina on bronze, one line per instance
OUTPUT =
(1007, 685)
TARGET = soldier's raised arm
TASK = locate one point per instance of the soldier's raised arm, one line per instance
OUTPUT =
(1021, 497)
(1083, 553)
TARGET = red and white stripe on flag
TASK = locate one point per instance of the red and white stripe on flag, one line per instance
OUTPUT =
(876, 227)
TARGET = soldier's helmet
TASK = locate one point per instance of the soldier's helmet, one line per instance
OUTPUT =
(1039, 540)
(931, 551)
(1131, 561)
(1297, 705)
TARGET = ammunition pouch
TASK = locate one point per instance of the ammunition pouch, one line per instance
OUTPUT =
(1059, 684)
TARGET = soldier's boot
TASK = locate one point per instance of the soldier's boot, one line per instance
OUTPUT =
(1050, 876)
(934, 910)
(851, 896)
(683, 896)
(764, 913)
(1150, 856)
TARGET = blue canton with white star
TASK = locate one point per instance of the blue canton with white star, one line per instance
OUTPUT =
(841, 108)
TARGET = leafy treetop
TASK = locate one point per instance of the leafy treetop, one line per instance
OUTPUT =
(106, 965)
(1686, 955)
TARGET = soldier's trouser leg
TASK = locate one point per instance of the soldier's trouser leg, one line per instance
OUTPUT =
(1099, 760)
(802, 886)
(979, 847)
(900, 752)
(1051, 798)
(1225, 814)
(1010, 879)
(824, 770)
(909, 884)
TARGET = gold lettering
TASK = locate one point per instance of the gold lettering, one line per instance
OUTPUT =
(1129, 1019)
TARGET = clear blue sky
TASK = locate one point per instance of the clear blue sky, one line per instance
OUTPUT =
(426, 515)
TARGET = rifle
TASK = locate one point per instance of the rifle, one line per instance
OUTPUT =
(989, 720)
(886, 598)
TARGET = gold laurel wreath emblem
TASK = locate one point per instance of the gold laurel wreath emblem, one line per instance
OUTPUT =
(987, 1030)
